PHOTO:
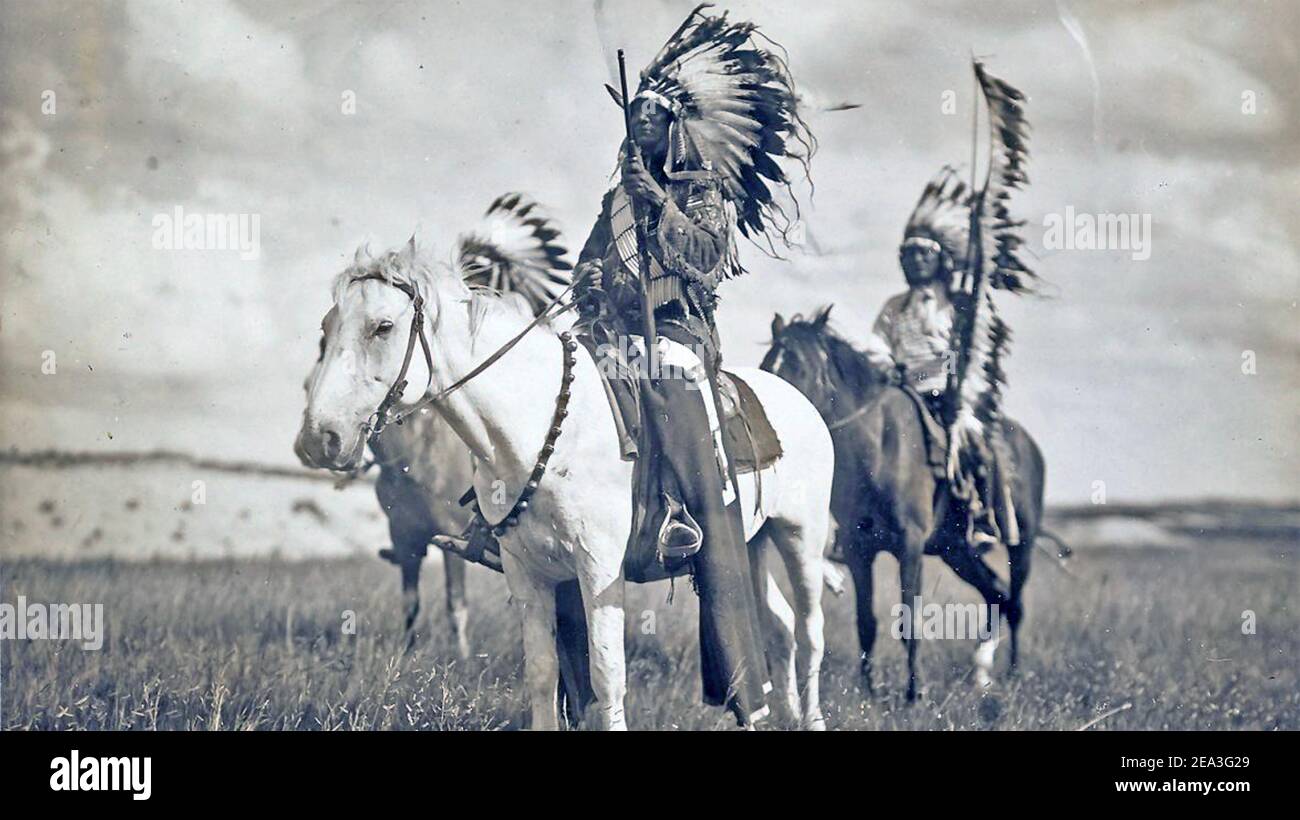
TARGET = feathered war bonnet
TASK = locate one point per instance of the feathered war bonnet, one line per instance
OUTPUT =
(515, 248)
(941, 219)
(735, 113)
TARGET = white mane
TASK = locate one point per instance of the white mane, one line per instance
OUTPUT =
(412, 265)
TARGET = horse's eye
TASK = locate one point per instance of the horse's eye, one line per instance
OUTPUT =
(383, 327)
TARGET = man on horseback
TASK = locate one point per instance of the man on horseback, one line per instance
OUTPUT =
(912, 339)
(942, 340)
(685, 184)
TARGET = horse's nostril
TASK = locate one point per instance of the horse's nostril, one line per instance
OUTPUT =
(333, 444)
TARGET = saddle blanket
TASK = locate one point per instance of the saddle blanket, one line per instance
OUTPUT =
(744, 435)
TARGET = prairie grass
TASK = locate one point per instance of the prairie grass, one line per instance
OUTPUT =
(261, 644)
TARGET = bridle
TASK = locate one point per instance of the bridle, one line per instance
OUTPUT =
(380, 419)
(839, 423)
(849, 419)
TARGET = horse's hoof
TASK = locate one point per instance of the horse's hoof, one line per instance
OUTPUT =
(816, 724)
(983, 680)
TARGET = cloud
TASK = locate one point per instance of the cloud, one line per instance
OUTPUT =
(1130, 373)
(86, 282)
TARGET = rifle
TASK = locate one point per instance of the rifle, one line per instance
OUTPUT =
(643, 250)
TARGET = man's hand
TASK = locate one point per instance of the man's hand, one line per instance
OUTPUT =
(638, 182)
(588, 293)
(588, 273)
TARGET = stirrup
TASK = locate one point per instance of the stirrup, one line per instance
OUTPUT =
(680, 536)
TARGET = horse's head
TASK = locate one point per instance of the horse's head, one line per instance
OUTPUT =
(363, 344)
(365, 336)
(809, 355)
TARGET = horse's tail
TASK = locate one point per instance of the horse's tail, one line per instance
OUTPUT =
(1063, 550)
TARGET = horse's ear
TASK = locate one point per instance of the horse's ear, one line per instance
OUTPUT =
(408, 250)
(359, 258)
(823, 317)
(778, 325)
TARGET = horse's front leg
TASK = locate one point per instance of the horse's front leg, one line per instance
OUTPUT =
(457, 608)
(409, 566)
(602, 597)
(534, 599)
(909, 581)
(860, 555)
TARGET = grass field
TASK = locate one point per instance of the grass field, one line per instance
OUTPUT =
(259, 644)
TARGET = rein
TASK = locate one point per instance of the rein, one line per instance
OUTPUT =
(380, 418)
(394, 393)
(850, 418)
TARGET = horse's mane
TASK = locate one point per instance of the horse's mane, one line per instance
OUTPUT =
(414, 266)
(846, 367)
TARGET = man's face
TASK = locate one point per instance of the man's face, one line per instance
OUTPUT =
(649, 127)
(922, 264)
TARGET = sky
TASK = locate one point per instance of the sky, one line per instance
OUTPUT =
(1173, 376)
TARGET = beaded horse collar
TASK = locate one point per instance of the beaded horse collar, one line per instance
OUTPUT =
(511, 518)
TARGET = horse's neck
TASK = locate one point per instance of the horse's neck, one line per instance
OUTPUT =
(853, 390)
(503, 413)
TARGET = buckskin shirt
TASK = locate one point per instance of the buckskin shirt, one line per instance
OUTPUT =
(688, 240)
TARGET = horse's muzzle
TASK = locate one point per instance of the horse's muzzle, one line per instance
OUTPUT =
(327, 448)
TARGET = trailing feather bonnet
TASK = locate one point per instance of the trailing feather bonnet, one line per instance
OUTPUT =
(734, 112)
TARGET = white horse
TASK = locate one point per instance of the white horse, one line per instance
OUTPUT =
(580, 516)
(423, 467)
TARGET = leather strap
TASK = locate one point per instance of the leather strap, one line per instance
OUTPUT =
(379, 419)
(394, 394)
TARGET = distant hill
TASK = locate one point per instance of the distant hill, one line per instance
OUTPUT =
(1175, 524)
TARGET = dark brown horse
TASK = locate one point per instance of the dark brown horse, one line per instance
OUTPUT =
(885, 495)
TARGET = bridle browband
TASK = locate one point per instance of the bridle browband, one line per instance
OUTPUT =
(844, 421)
(380, 418)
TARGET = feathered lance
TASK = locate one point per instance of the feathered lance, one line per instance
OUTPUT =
(991, 260)
(971, 279)
(643, 252)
